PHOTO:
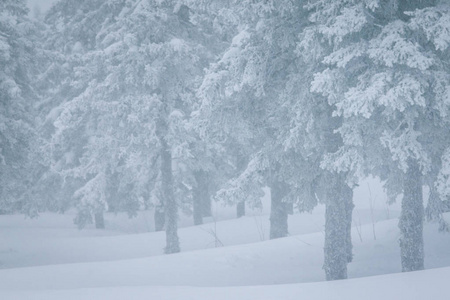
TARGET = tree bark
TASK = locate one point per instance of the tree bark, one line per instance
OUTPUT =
(348, 200)
(240, 209)
(411, 220)
(99, 220)
(206, 203)
(160, 217)
(241, 164)
(338, 214)
(197, 208)
(279, 211)
(170, 205)
(202, 200)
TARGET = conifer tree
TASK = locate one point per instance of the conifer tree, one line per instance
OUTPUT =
(245, 104)
(384, 72)
(19, 155)
(134, 111)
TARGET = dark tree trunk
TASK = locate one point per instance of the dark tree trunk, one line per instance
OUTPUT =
(170, 205)
(240, 209)
(279, 211)
(411, 220)
(160, 217)
(206, 203)
(241, 164)
(99, 220)
(338, 215)
(197, 208)
(202, 201)
(348, 200)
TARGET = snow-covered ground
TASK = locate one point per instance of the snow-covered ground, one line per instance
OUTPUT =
(48, 258)
(428, 284)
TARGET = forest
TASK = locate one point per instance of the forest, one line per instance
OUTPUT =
(182, 107)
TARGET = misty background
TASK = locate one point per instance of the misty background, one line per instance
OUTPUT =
(178, 149)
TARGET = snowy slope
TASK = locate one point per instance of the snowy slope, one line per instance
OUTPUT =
(428, 284)
(48, 258)
(53, 239)
(290, 260)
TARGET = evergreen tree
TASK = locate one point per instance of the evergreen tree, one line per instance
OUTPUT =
(245, 104)
(19, 155)
(384, 73)
(73, 67)
(135, 107)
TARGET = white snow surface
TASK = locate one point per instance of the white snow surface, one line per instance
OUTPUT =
(48, 258)
(428, 284)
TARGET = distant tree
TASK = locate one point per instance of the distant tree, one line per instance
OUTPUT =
(248, 97)
(19, 155)
(70, 42)
(134, 111)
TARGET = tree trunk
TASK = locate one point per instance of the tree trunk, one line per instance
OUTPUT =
(348, 200)
(338, 245)
(160, 217)
(279, 211)
(240, 209)
(241, 164)
(197, 208)
(411, 220)
(170, 205)
(202, 201)
(206, 203)
(99, 220)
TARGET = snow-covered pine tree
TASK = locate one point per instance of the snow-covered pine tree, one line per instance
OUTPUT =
(243, 105)
(73, 69)
(202, 171)
(221, 21)
(19, 153)
(138, 101)
(313, 132)
(385, 73)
